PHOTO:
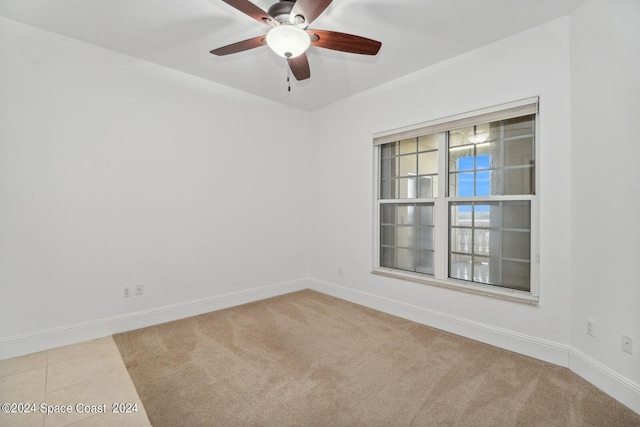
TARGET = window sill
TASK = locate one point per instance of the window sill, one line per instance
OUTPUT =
(460, 285)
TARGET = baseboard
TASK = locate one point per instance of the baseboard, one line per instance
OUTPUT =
(541, 349)
(615, 385)
(20, 345)
(612, 383)
(620, 388)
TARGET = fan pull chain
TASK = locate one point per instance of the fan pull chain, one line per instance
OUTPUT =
(288, 73)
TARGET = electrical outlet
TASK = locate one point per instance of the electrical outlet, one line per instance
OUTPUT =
(139, 289)
(590, 328)
(627, 344)
(126, 291)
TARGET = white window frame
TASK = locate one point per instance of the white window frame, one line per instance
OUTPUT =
(441, 203)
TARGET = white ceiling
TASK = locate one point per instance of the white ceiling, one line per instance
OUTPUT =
(180, 33)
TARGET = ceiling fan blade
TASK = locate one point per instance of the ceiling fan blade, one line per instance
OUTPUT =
(240, 46)
(250, 9)
(344, 42)
(300, 67)
(310, 9)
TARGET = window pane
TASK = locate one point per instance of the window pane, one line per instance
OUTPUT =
(428, 142)
(477, 231)
(482, 133)
(408, 146)
(405, 259)
(407, 174)
(488, 155)
(482, 213)
(496, 182)
(460, 267)
(517, 214)
(519, 152)
(480, 183)
(425, 263)
(482, 270)
(389, 168)
(388, 235)
(385, 169)
(388, 257)
(406, 230)
(453, 184)
(384, 189)
(502, 150)
(425, 215)
(427, 187)
(459, 136)
(481, 242)
(388, 214)
(407, 188)
(405, 236)
(388, 150)
(518, 181)
(516, 274)
(516, 244)
(461, 158)
(462, 184)
(434, 186)
(428, 163)
(461, 240)
(484, 185)
(461, 214)
(389, 189)
(408, 165)
(518, 127)
(405, 214)
(425, 238)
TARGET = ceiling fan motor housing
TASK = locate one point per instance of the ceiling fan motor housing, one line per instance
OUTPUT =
(281, 10)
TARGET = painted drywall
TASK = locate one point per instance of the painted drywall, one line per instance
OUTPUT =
(605, 93)
(115, 172)
(533, 63)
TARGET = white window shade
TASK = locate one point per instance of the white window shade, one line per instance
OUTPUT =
(499, 112)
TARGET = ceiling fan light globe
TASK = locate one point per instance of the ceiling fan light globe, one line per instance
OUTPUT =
(288, 40)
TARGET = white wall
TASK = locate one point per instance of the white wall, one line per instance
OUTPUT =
(532, 63)
(114, 172)
(605, 92)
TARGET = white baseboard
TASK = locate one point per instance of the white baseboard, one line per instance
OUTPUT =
(20, 345)
(538, 348)
(615, 385)
(612, 383)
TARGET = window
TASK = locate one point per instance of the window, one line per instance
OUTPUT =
(456, 201)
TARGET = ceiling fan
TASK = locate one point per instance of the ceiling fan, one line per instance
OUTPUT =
(289, 36)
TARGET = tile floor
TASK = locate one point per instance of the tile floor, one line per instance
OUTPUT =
(85, 376)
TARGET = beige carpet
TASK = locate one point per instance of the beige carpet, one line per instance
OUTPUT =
(307, 359)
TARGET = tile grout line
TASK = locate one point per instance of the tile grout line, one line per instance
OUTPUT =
(66, 387)
(84, 380)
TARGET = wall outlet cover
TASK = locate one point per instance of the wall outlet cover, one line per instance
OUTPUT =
(627, 344)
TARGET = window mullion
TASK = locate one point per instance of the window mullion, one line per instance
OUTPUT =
(440, 211)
